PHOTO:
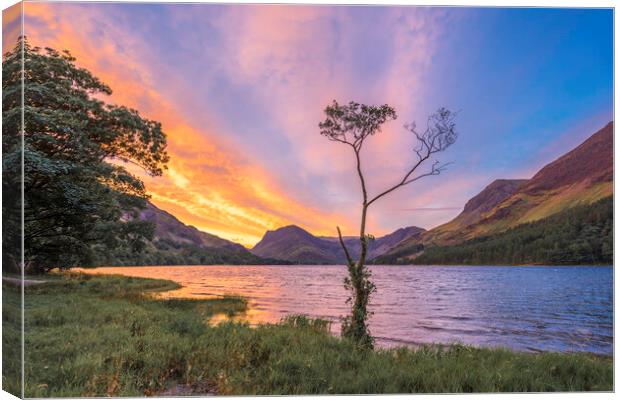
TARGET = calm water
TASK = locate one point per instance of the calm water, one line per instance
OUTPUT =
(524, 308)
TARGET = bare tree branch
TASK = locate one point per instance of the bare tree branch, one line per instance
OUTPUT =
(439, 135)
(344, 247)
(436, 169)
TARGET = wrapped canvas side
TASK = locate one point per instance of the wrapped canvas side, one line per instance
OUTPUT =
(12, 204)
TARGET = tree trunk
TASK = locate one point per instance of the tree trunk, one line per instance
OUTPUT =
(362, 289)
(363, 241)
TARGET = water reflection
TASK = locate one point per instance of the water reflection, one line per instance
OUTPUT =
(525, 308)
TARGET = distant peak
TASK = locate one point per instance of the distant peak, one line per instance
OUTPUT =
(289, 228)
(506, 182)
(493, 194)
(411, 228)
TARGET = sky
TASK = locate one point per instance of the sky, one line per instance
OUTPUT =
(240, 90)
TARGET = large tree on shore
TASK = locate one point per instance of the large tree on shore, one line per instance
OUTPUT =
(77, 200)
(351, 124)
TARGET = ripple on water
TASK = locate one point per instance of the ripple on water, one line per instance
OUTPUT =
(526, 308)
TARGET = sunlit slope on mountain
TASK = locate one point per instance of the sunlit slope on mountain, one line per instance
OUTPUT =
(477, 208)
(577, 235)
(580, 177)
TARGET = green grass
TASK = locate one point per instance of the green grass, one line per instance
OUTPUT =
(104, 335)
(11, 339)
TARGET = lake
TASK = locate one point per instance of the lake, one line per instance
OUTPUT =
(529, 308)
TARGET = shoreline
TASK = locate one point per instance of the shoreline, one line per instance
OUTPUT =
(263, 308)
(344, 265)
(154, 346)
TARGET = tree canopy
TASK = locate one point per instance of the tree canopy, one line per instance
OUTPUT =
(78, 196)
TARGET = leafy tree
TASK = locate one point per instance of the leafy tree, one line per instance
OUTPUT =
(352, 124)
(78, 196)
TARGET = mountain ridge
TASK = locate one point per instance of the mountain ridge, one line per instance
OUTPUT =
(169, 227)
(582, 176)
(295, 244)
(176, 243)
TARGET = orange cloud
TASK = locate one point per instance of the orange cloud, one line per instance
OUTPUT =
(292, 62)
(11, 26)
(209, 184)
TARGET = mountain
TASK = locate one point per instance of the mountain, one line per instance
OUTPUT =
(577, 235)
(380, 245)
(294, 244)
(175, 243)
(169, 228)
(590, 163)
(581, 177)
(509, 216)
(476, 208)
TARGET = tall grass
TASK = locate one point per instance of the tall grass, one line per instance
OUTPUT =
(106, 335)
(11, 339)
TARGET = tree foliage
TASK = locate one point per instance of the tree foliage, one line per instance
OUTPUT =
(168, 252)
(77, 192)
(352, 124)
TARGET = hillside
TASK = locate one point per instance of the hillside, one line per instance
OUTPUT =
(175, 243)
(579, 235)
(582, 176)
(579, 178)
(380, 245)
(294, 244)
(476, 208)
(169, 228)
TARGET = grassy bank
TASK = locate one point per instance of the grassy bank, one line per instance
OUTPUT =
(104, 335)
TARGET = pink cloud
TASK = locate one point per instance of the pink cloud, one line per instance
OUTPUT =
(288, 58)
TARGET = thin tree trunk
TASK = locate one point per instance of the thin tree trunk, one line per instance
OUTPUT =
(363, 242)
(361, 292)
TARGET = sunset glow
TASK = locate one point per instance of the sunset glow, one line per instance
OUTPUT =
(240, 90)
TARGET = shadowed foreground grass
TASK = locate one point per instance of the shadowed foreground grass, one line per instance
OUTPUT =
(97, 336)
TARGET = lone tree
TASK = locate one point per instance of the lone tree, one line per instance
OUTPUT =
(352, 124)
(77, 203)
